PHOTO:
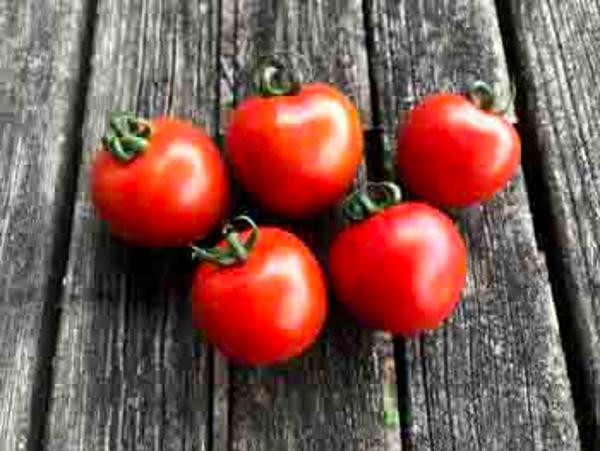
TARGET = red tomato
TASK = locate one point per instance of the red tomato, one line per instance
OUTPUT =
(173, 190)
(451, 152)
(401, 270)
(298, 153)
(266, 309)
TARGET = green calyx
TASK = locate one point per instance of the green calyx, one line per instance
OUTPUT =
(128, 136)
(482, 94)
(236, 251)
(275, 76)
(376, 197)
(485, 96)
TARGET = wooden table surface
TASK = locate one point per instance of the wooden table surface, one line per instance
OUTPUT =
(96, 347)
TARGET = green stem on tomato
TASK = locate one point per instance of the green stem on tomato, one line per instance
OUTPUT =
(482, 95)
(128, 136)
(376, 197)
(236, 245)
(274, 77)
(367, 204)
(236, 251)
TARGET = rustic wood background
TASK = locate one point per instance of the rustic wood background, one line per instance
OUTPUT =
(96, 347)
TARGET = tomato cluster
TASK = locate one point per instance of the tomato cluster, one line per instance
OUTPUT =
(260, 294)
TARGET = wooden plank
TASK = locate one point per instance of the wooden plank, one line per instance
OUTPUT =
(494, 377)
(335, 396)
(41, 54)
(124, 377)
(555, 52)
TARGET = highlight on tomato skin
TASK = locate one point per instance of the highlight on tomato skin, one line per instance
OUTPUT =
(456, 150)
(260, 296)
(160, 182)
(401, 269)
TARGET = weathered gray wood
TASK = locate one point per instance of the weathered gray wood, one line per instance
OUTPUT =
(334, 397)
(123, 374)
(220, 407)
(556, 50)
(494, 377)
(40, 70)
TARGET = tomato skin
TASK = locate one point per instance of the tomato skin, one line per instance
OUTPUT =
(267, 309)
(401, 270)
(170, 195)
(297, 154)
(452, 153)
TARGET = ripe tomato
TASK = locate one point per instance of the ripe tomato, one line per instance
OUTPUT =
(454, 151)
(401, 270)
(159, 183)
(296, 150)
(260, 305)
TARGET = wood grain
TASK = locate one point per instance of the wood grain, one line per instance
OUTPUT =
(555, 52)
(41, 53)
(123, 373)
(336, 395)
(494, 377)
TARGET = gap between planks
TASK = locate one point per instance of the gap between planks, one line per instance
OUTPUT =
(546, 230)
(51, 315)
